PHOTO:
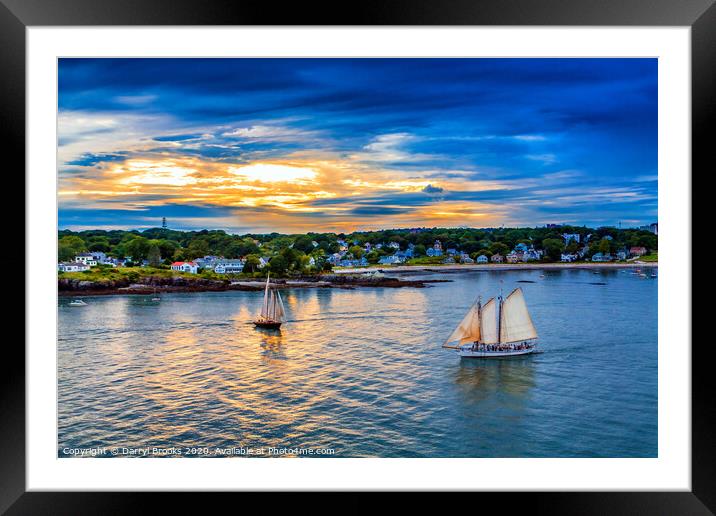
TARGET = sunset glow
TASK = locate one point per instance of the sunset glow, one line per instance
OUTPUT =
(302, 145)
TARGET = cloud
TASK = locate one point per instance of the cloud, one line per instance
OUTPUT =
(345, 143)
(430, 189)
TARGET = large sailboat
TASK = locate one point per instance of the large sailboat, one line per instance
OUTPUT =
(272, 312)
(499, 328)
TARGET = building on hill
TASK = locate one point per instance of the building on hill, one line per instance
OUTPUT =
(514, 257)
(190, 267)
(531, 254)
(568, 237)
(482, 259)
(229, 266)
(431, 251)
(637, 251)
(390, 260)
(86, 258)
(72, 267)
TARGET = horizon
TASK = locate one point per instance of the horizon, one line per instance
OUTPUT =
(446, 228)
(342, 145)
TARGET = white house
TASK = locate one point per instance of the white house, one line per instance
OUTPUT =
(570, 236)
(99, 256)
(190, 267)
(390, 260)
(569, 257)
(72, 267)
(229, 266)
(86, 258)
(482, 259)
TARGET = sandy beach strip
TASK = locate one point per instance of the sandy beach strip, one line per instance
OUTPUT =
(494, 266)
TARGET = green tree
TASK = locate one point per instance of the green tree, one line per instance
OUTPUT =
(70, 246)
(304, 243)
(499, 248)
(278, 265)
(154, 255)
(572, 247)
(356, 251)
(252, 263)
(137, 248)
(197, 248)
(553, 248)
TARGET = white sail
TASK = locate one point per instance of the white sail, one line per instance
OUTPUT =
(516, 323)
(265, 306)
(468, 330)
(280, 312)
(489, 322)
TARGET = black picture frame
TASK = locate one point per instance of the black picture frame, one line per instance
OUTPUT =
(17, 15)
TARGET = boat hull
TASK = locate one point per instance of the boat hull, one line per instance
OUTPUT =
(468, 352)
(268, 324)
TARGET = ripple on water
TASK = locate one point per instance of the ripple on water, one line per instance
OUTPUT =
(362, 371)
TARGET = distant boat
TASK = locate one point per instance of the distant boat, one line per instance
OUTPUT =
(499, 328)
(272, 313)
(78, 302)
(155, 297)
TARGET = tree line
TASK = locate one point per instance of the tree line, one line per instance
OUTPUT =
(294, 252)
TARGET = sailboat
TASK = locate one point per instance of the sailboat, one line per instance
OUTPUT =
(499, 328)
(272, 312)
(155, 297)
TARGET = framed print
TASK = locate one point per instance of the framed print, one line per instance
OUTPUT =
(415, 249)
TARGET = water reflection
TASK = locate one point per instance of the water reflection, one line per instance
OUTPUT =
(479, 379)
(271, 343)
(362, 371)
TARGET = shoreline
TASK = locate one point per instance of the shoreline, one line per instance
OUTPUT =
(347, 279)
(344, 282)
(494, 266)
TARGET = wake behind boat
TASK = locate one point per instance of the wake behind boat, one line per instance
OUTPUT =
(499, 328)
(272, 313)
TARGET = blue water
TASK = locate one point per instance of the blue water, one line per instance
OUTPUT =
(361, 372)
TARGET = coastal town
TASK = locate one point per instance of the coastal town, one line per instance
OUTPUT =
(282, 255)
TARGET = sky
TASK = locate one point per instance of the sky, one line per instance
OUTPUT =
(340, 145)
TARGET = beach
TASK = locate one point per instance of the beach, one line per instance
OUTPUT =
(494, 267)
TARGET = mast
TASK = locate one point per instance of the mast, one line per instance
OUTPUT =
(479, 315)
(264, 311)
(499, 318)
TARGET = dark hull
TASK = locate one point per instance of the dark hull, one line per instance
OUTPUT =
(267, 324)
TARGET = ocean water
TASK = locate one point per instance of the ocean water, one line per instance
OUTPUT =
(361, 372)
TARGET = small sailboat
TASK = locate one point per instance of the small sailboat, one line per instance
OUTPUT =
(77, 302)
(499, 328)
(155, 297)
(272, 313)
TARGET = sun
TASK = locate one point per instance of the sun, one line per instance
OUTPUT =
(272, 173)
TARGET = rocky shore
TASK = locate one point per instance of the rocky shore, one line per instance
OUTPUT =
(147, 285)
